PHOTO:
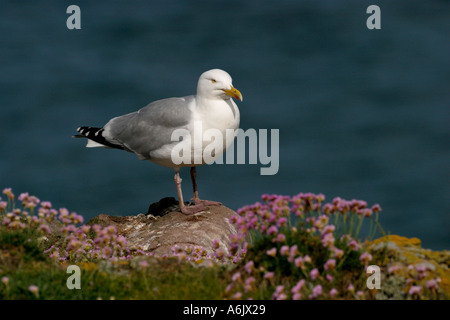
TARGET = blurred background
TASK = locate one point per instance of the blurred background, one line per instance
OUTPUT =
(362, 113)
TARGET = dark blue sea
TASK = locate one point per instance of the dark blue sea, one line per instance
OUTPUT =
(362, 114)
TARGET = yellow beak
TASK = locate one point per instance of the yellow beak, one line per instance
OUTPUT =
(233, 92)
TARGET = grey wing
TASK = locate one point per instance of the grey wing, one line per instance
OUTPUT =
(151, 127)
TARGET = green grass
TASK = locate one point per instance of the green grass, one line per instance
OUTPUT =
(24, 264)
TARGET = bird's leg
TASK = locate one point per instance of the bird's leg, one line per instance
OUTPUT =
(185, 210)
(196, 199)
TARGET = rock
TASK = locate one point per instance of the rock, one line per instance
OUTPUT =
(407, 256)
(158, 235)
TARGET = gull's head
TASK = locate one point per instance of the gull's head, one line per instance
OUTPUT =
(217, 84)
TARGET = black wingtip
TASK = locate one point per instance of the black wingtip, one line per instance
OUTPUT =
(96, 134)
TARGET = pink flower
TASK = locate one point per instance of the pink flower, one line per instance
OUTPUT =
(237, 295)
(236, 277)
(432, 284)
(327, 208)
(415, 290)
(297, 296)
(215, 244)
(296, 290)
(338, 253)
(23, 196)
(299, 263)
(353, 245)
(376, 208)
(393, 269)
(5, 280)
(249, 284)
(284, 251)
(328, 240)
(249, 266)
(272, 252)
(279, 293)
(314, 274)
(46, 204)
(367, 213)
(333, 293)
(269, 275)
(7, 192)
(293, 251)
(282, 222)
(330, 264)
(34, 289)
(365, 257)
(45, 228)
(272, 230)
(317, 291)
(280, 238)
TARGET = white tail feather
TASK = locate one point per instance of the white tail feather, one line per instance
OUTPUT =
(93, 144)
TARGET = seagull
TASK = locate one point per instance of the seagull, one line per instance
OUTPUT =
(148, 131)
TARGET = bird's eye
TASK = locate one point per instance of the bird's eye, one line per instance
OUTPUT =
(213, 81)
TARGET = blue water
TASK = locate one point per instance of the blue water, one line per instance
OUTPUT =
(362, 113)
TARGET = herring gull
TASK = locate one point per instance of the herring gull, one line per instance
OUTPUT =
(148, 132)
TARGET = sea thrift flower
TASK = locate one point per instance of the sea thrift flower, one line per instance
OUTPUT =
(280, 238)
(299, 262)
(376, 208)
(249, 266)
(296, 290)
(45, 228)
(279, 293)
(249, 284)
(317, 291)
(236, 277)
(353, 245)
(7, 192)
(272, 252)
(229, 287)
(293, 251)
(215, 244)
(3, 205)
(5, 280)
(415, 290)
(269, 276)
(393, 269)
(34, 289)
(333, 293)
(338, 253)
(330, 264)
(272, 230)
(351, 288)
(284, 251)
(237, 295)
(282, 222)
(314, 274)
(432, 284)
(365, 257)
(328, 240)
